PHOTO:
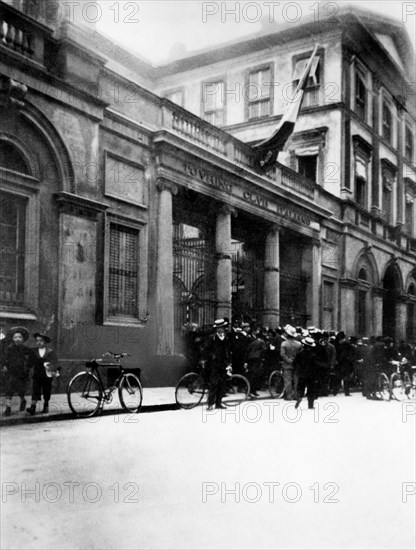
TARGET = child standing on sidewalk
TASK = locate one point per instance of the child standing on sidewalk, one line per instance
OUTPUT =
(46, 364)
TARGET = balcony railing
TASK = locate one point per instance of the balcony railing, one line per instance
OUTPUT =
(200, 132)
(296, 182)
(22, 34)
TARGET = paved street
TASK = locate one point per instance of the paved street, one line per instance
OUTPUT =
(261, 476)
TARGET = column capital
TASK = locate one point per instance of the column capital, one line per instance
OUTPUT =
(227, 209)
(378, 291)
(163, 184)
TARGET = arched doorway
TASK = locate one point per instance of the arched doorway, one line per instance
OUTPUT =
(391, 286)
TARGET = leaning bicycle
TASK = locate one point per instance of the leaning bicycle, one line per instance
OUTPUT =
(276, 384)
(402, 385)
(192, 388)
(87, 394)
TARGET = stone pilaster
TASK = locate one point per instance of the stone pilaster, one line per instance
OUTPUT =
(316, 283)
(401, 318)
(164, 272)
(271, 300)
(348, 305)
(377, 313)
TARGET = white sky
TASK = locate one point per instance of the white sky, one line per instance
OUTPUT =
(152, 27)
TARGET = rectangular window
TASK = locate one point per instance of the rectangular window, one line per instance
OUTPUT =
(213, 102)
(360, 96)
(386, 212)
(361, 192)
(12, 249)
(123, 277)
(311, 96)
(387, 123)
(409, 147)
(328, 301)
(307, 166)
(259, 93)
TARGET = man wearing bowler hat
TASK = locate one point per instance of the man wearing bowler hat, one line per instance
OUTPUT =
(218, 355)
(18, 360)
(46, 364)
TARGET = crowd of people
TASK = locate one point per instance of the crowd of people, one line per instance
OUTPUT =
(18, 361)
(314, 361)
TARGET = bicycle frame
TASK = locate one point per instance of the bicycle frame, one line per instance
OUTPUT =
(93, 366)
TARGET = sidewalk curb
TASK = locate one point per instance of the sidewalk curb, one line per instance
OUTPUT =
(38, 418)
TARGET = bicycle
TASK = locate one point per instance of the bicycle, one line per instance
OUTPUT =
(402, 387)
(276, 385)
(192, 387)
(86, 392)
(383, 388)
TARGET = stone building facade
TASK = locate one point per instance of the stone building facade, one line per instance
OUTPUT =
(120, 205)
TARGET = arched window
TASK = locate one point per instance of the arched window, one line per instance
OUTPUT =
(362, 275)
(12, 159)
(412, 290)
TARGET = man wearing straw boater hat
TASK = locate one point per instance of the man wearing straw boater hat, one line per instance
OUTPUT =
(218, 354)
(307, 372)
(288, 352)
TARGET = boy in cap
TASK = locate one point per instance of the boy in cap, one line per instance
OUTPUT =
(44, 371)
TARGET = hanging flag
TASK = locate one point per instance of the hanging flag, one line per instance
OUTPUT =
(268, 150)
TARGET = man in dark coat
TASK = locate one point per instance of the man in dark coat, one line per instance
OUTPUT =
(18, 360)
(218, 355)
(307, 370)
(256, 355)
(345, 364)
(239, 342)
(45, 370)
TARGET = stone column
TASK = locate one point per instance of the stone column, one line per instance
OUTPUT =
(224, 268)
(316, 283)
(164, 271)
(271, 300)
(401, 318)
(376, 329)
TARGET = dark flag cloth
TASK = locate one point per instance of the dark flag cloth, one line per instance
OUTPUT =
(268, 150)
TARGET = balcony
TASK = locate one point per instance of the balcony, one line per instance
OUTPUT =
(23, 35)
(181, 122)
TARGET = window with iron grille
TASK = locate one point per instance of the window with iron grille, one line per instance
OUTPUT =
(328, 300)
(259, 93)
(123, 277)
(12, 249)
(213, 102)
(387, 123)
(360, 96)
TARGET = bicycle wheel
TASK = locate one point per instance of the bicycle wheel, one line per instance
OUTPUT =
(276, 385)
(398, 388)
(85, 395)
(190, 390)
(130, 392)
(237, 389)
(383, 386)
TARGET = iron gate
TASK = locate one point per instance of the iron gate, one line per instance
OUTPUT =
(194, 277)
